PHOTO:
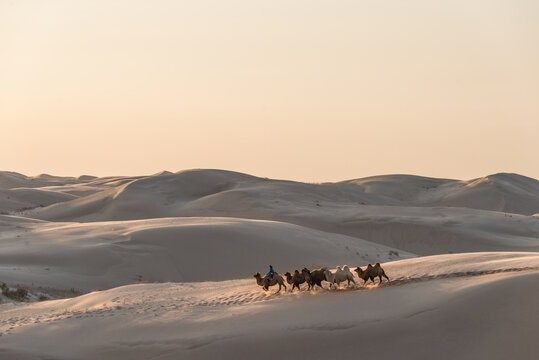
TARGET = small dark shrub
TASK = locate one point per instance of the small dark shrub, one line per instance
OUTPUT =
(18, 294)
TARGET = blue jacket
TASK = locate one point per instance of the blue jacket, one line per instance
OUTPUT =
(270, 273)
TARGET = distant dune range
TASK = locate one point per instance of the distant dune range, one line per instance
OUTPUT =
(511, 193)
(411, 213)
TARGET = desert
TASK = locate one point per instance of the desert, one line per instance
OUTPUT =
(161, 266)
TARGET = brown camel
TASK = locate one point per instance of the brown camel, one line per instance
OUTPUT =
(296, 279)
(307, 275)
(316, 276)
(364, 274)
(378, 271)
(265, 283)
(371, 272)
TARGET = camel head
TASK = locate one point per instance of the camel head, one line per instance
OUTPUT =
(358, 270)
(257, 275)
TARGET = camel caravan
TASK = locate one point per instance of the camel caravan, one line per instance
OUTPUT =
(315, 277)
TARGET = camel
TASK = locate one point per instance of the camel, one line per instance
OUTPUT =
(316, 276)
(296, 279)
(265, 283)
(339, 276)
(307, 275)
(364, 274)
(378, 271)
(371, 272)
(330, 277)
(288, 277)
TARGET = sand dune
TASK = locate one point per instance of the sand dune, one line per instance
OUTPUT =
(20, 199)
(171, 193)
(106, 254)
(193, 232)
(511, 193)
(483, 313)
(10, 180)
(393, 210)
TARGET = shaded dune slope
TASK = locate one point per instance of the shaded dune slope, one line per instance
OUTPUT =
(106, 254)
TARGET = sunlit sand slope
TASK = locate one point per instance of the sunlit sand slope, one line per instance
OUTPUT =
(461, 306)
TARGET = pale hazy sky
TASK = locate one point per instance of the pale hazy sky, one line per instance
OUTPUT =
(298, 89)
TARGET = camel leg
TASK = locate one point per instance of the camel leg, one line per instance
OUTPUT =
(386, 277)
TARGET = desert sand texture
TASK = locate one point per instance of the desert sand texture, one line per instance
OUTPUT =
(161, 266)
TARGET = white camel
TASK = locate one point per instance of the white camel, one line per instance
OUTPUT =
(340, 275)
